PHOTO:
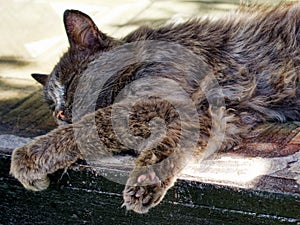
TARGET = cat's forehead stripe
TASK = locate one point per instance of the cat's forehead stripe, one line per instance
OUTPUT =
(57, 91)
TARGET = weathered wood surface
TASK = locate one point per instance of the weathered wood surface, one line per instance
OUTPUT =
(27, 117)
(80, 197)
(89, 195)
(256, 183)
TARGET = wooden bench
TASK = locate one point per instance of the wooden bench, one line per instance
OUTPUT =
(255, 183)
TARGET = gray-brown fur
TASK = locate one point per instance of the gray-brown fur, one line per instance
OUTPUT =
(253, 54)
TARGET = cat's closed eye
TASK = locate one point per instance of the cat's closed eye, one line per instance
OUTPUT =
(51, 104)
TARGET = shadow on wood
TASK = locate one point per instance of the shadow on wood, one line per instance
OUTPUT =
(80, 197)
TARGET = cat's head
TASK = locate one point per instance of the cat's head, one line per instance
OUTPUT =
(86, 43)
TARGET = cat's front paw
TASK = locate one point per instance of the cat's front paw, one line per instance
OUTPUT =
(24, 167)
(144, 191)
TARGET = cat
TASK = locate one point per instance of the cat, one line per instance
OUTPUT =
(233, 73)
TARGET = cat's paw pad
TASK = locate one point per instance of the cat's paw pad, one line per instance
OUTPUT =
(143, 192)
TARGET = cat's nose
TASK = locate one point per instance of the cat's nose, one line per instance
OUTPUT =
(59, 114)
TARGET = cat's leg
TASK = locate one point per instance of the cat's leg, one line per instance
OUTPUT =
(159, 163)
(152, 177)
(61, 147)
(31, 163)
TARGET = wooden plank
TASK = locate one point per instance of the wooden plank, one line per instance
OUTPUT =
(28, 117)
(80, 197)
(85, 196)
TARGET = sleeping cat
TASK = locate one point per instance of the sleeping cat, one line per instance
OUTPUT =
(168, 95)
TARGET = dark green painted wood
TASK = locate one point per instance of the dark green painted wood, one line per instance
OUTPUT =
(80, 197)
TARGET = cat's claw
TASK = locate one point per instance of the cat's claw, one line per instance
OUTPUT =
(144, 191)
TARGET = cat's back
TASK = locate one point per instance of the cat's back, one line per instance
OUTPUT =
(249, 24)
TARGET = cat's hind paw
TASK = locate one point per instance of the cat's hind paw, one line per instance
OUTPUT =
(145, 191)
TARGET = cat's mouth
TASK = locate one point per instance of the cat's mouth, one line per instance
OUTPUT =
(61, 122)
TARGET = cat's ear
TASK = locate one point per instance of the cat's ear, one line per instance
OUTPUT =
(41, 78)
(82, 31)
